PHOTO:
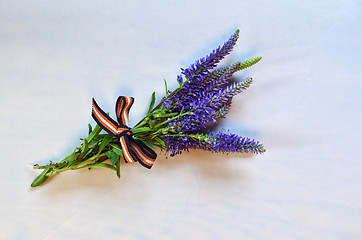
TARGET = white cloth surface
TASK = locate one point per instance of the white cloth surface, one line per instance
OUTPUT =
(304, 105)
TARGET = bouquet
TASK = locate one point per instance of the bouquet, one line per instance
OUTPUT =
(181, 121)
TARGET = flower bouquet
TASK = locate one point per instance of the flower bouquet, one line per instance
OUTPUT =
(180, 121)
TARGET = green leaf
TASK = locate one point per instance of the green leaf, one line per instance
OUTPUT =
(117, 149)
(157, 111)
(159, 140)
(89, 129)
(94, 133)
(151, 145)
(153, 99)
(70, 158)
(118, 168)
(105, 142)
(84, 148)
(98, 165)
(165, 86)
(41, 178)
(113, 157)
(96, 140)
(141, 130)
(89, 151)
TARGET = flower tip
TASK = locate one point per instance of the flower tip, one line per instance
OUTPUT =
(262, 150)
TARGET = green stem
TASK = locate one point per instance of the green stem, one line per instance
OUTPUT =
(75, 167)
(160, 104)
(171, 119)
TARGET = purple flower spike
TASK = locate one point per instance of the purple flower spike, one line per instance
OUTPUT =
(202, 66)
(206, 96)
(214, 142)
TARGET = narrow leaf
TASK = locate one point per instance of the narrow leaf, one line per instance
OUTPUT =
(41, 178)
(89, 151)
(141, 129)
(118, 168)
(105, 142)
(96, 139)
(94, 133)
(165, 86)
(117, 149)
(113, 157)
(151, 145)
(160, 141)
(72, 159)
(153, 99)
(84, 149)
(68, 159)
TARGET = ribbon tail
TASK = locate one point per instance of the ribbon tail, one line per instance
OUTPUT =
(103, 120)
(128, 155)
(146, 156)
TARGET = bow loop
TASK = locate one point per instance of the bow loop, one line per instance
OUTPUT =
(123, 106)
(133, 149)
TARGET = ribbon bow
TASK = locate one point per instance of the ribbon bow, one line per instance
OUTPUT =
(133, 150)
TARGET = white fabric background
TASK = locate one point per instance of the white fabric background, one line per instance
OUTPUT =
(304, 105)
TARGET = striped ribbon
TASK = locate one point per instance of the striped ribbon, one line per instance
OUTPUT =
(133, 150)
